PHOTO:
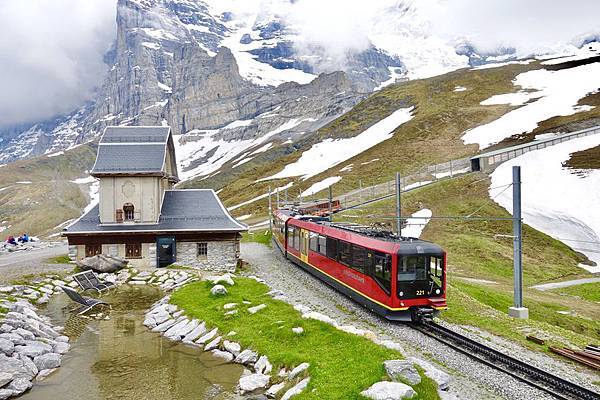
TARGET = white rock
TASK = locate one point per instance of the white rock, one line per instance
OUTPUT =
(213, 344)
(229, 306)
(164, 326)
(320, 317)
(43, 374)
(389, 391)
(232, 312)
(402, 370)
(298, 370)
(225, 355)
(246, 357)
(296, 390)
(195, 333)
(273, 390)
(218, 290)
(298, 330)
(232, 347)
(47, 361)
(440, 377)
(302, 308)
(208, 336)
(5, 378)
(7, 347)
(263, 366)
(61, 347)
(252, 382)
(255, 309)
(226, 278)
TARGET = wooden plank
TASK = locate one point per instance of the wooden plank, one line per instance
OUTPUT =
(536, 339)
(570, 354)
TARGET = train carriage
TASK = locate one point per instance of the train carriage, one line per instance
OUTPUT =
(400, 279)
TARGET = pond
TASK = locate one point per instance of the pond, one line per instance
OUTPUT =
(119, 358)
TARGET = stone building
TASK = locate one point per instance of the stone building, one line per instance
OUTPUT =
(142, 218)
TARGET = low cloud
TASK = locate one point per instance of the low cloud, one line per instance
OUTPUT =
(51, 55)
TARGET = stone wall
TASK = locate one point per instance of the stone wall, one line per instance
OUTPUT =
(221, 256)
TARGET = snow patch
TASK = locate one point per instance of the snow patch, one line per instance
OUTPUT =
(556, 200)
(502, 64)
(459, 89)
(164, 87)
(415, 225)
(324, 184)
(151, 45)
(557, 94)
(262, 196)
(58, 153)
(331, 152)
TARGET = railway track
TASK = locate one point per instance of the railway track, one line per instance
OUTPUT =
(540, 379)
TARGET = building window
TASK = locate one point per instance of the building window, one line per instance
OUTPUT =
(128, 212)
(202, 250)
(133, 250)
(93, 250)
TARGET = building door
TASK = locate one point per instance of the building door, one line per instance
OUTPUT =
(92, 250)
(304, 245)
(165, 251)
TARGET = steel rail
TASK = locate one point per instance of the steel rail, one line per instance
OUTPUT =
(520, 370)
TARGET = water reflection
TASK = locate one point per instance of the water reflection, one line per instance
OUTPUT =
(119, 358)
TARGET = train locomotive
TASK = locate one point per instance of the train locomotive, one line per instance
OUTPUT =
(399, 278)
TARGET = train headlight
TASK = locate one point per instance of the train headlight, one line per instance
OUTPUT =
(401, 294)
(437, 291)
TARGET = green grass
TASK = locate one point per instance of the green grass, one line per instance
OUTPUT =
(585, 159)
(341, 364)
(63, 259)
(586, 291)
(262, 236)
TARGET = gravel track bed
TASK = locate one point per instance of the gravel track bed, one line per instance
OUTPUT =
(472, 380)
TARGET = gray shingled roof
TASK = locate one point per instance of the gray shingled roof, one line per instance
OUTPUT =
(135, 149)
(135, 134)
(182, 210)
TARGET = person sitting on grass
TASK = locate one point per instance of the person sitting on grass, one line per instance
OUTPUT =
(11, 240)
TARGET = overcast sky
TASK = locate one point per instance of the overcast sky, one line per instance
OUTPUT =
(51, 55)
(51, 50)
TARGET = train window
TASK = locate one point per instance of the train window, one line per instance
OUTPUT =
(313, 243)
(322, 245)
(290, 236)
(382, 271)
(360, 259)
(436, 266)
(332, 246)
(297, 239)
(412, 268)
(345, 253)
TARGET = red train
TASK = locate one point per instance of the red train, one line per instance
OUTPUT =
(401, 280)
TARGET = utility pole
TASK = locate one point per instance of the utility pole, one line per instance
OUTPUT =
(277, 197)
(517, 310)
(270, 212)
(330, 206)
(398, 206)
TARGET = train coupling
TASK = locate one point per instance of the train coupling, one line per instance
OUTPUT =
(419, 314)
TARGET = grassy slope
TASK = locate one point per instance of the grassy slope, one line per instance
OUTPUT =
(475, 253)
(341, 364)
(51, 198)
(586, 159)
(587, 291)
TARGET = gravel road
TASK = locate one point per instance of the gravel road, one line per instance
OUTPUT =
(471, 380)
(15, 265)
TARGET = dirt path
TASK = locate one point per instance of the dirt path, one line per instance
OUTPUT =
(471, 380)
(560, 285)
(20, 263)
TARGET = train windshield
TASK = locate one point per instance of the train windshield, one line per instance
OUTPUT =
(420, 268)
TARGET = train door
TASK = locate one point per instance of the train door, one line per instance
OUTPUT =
(304, 245)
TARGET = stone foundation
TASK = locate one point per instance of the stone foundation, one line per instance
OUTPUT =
(221, 256)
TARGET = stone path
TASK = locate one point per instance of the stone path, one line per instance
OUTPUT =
(559, 285)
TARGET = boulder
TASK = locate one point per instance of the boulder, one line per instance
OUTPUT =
(273, 390)
(102, 263)
(7, 347)
(207, 336)
(250, 383)
(440, 377)
(195, 333)
(224, 355)
(213, 344)
(389, 391)
(47, 361)
(19, 385)
(263, 366)
(5, 394)
(5, 328)
(296, 390)
(44, 374)
(164, 326)
(232, 347)
(218, 290)
(29, 366)
(402, 370)
(298, 330)
(298, 370)
(33, 349)
(246, 357)
(12, 366)
(5, 378)
(61, 347)
(25, 334)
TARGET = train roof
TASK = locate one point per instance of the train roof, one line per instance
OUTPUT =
(408, 244)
